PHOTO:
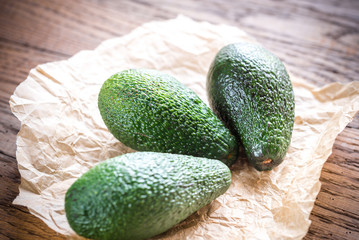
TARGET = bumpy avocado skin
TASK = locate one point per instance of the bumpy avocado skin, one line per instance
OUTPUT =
(148, 110)
(140, 195)
(250, 91)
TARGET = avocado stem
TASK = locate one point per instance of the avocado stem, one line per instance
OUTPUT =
(268, 161)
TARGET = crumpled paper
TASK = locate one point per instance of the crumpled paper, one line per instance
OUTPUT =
(62, 134)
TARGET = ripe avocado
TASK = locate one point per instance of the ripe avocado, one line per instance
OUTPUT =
(139, 195)
(148, 110)
(250, 91)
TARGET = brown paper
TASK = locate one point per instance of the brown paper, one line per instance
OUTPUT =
(62, 134)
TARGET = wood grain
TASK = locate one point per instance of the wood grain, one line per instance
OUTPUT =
(317, 40)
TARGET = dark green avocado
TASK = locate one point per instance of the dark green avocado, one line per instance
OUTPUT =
(250, 91)
(139, 195)
(148, 110)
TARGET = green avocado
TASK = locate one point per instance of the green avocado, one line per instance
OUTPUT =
(250, 91)
(148, 110)
(139, 195)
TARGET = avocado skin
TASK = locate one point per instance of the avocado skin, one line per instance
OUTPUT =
(139, 195)
(250, 91)
(148, 110)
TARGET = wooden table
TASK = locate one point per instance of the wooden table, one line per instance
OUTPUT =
(317, 40)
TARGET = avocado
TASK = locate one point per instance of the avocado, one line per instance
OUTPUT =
(250, 90)
(148, 110)
(139, 195)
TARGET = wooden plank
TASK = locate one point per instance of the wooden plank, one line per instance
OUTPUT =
(336, 213)
(17, 223)
(68, 27)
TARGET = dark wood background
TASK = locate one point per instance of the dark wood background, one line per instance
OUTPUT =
(317, 40)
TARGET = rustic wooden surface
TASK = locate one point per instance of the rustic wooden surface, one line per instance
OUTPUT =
(317, 40)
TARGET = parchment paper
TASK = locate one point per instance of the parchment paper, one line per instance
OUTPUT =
(62, 134)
